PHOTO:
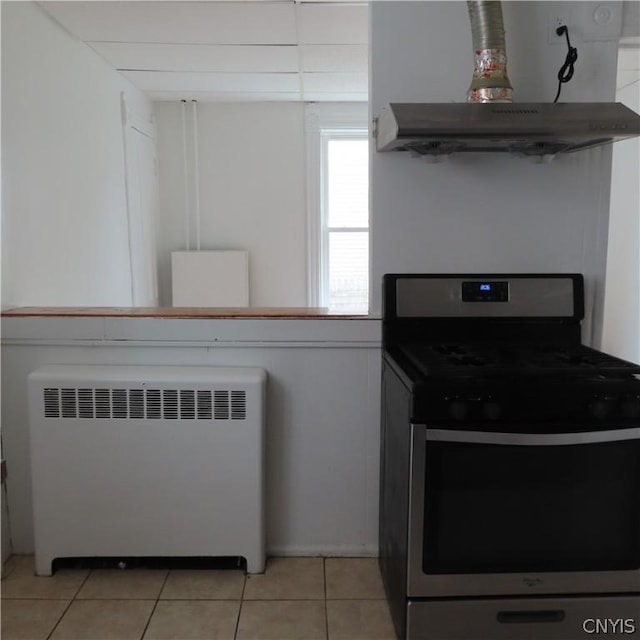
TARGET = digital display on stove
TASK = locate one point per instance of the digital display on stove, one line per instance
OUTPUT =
(489, 291)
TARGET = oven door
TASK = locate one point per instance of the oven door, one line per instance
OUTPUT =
(523, 513)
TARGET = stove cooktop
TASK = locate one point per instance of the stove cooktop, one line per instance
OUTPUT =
(503, 349)
(466, 384)
(451, 359)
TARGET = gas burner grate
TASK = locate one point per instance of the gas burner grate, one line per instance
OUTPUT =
(441, 359)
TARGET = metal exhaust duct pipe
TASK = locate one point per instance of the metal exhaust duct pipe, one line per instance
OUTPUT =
(490, 82)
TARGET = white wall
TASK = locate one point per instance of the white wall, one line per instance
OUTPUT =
(322, 430)
(252, 192)
(486, 212)
(64, 216)
(622, 302)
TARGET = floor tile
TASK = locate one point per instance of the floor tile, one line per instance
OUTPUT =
(287, 602)
(136, 584)
(30, 619)
(23, 563)
(353, 578)
(193, 620)
(9, 565)
(288, 579)
(203, 585)
(282, 620)
(104, 620)
(22, 582)
(359, 620)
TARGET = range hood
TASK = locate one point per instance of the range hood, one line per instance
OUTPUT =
(529, 129)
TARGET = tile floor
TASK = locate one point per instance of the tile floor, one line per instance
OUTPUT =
(295, 599)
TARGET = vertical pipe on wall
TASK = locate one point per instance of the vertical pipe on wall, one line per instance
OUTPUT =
(490, 82)
(124, 114)
(194, 105)
(186, 173)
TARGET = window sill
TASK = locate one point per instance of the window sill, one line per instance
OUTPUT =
(178, 312)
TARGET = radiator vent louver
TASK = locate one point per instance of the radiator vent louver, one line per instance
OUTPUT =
(238, 405)
(150, 404)
(221, 405)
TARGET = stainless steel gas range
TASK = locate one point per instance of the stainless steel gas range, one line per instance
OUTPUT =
(510, 463)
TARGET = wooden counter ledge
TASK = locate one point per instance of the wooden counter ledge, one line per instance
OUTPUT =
(178, 312)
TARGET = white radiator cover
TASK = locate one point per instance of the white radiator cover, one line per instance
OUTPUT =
(133, 461)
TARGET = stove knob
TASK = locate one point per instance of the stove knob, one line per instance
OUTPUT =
(492, 410)
(631, 407)
(601, 408)
(458, 410)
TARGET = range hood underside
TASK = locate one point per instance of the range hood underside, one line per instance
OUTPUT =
(528, 129)
(536, 146)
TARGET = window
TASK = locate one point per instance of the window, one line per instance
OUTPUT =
(344, 266)
(339, 215)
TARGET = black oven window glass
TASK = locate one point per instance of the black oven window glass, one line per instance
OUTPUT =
(496, 509)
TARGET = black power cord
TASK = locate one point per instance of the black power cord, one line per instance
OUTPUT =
(566, 70)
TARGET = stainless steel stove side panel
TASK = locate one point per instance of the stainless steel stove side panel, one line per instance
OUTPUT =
(421, 585)
(394, 492)
(440, 297)
(559, 619)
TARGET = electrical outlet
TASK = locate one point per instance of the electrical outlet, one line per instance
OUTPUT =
(558, 18)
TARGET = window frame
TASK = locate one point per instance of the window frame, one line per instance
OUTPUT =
(325, 123)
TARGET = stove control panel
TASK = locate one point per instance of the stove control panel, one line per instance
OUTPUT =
(489, 291)
(513, 404)
(603, 407)
(475, 296)
(631, 407)
(474, 409)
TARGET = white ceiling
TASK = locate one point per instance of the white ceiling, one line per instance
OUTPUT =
(230, 50)
(242, 50)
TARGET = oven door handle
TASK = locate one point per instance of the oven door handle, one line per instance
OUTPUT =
(531, 439)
